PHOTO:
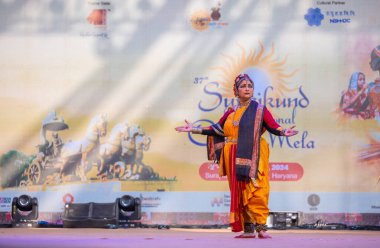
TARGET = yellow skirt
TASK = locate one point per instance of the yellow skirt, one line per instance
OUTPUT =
(254, 196)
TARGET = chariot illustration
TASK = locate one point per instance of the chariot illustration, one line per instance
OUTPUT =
(61, 160)
(119, 157)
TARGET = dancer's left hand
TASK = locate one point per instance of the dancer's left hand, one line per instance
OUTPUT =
(290, 132)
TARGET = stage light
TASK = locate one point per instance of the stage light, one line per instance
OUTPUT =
(24, 211)
(283, 220)
(129, 210)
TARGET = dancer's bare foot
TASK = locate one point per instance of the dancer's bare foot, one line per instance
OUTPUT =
(263, 235)
(246, 236)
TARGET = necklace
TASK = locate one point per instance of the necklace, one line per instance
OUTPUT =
(236, 123)
(243, 104)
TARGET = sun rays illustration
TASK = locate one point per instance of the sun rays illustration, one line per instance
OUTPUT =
(273, 68)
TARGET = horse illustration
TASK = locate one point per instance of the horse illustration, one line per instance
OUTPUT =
(110, 152)
(133, 152)
(74, 151)
(142, 144)
(128, 152)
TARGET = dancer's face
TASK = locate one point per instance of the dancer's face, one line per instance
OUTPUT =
(245, 90)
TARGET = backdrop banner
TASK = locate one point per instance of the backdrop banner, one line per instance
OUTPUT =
(91, 92)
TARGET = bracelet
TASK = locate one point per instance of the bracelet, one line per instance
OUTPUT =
(282, 132)
(197, 130)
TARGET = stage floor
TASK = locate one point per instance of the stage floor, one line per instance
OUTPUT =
(180, 238)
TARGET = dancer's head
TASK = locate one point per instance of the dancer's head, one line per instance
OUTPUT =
(243, 87)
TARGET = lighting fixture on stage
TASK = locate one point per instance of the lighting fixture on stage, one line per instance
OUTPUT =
(129, 210)
(283, 220)
(90, 215)
(24, 211)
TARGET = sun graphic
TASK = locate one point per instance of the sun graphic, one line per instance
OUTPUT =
(269, 70)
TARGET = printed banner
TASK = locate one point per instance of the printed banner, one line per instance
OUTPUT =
(92, 91)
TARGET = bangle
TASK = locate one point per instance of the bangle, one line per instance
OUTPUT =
(282, 132)
(197, 130)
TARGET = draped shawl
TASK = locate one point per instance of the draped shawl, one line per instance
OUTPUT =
(248, 143)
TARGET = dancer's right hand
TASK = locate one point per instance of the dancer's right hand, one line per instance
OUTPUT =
(188, 127)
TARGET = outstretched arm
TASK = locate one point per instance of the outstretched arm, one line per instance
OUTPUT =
(214, 130)
(189, 127)
(273, 127)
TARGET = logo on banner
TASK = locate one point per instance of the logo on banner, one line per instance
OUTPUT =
(5, 202)
(202, 20)
(221, 201)
(68, 198)
(217, 202)
(150, 201)
(315, 16)
(313, 201)
(97, 18)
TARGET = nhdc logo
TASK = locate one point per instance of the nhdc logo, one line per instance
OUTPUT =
(314, 17)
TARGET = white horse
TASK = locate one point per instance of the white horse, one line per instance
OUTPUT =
(142, 144)
(119, 132)
(112, 148)
(129, 143)
(128, 151)
(132, 152)
(73, 151)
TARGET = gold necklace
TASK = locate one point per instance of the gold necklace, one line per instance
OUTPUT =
(245, 103)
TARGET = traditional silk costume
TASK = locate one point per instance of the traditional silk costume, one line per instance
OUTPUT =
(243, 155)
